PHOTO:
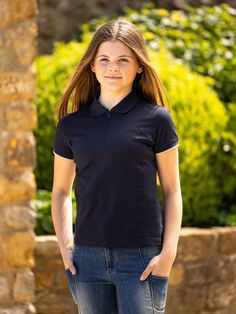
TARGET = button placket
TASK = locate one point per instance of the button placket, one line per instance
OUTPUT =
(107, 127)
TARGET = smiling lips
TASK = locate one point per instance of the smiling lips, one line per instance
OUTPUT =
(113, 77)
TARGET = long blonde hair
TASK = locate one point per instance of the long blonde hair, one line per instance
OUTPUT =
(83, 84)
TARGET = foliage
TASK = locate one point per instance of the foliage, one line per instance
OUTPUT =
(201, 122)
(203, 37)
(42, 203)
(199, 115)
(53, 72)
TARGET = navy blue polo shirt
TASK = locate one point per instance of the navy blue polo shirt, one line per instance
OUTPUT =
(115, 151)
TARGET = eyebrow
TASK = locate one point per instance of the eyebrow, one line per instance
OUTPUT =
(118, 56)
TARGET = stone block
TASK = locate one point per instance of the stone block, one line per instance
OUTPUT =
(177, 274)
(19, 150)
(21, 38)
(6, 17)
(61, 280)
(44, 280)
(50, 302)
(224, 311)
(47, 246)
(17, 85)
(18, 217)
(23, 288)
(197, 244)
(232, 306)
(225, 268)
(200, 273)
(17, 187)
(232, 259)
(227, 239)
(18, 249)
(220, 295)
(54, 263)
(20, 116)
(22, 10)
(4, 290)
(21, 309)
(185, 300)
(17, 10)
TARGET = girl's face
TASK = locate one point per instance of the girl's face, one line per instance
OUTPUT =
(115, 67)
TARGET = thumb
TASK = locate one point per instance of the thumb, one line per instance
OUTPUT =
(73, 269)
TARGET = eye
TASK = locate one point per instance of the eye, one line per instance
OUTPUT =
(104, 59)
(124, 60)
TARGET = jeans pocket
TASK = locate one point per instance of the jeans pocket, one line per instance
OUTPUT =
(158, 284)
(159, 288)
(71, 282)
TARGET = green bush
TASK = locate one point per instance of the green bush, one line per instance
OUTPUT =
(42, 203)
(199, 115)
(225, 169)
(201, 121)
(53, 71)
(204, 38)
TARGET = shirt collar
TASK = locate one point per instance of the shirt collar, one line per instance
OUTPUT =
(126, 104)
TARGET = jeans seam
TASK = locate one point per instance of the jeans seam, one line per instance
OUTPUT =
(149, 280)
(141, 256)
(72, 284)
(78, 307)
(151, 288)
(107, 265)
(74, 276)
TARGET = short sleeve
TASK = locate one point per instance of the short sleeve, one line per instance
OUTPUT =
(166, 134)
(61, 145)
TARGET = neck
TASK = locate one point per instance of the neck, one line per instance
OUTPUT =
(109, 98)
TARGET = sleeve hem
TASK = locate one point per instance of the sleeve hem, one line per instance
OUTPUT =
(62, 156)
(157, 153)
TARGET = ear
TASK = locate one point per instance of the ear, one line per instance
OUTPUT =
(92, 67)
(140, 70)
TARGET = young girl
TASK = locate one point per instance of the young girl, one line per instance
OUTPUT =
(115, 142)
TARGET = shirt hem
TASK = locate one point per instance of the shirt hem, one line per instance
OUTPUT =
(135, 244)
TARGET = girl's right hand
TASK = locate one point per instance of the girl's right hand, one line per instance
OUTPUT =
(67, 257)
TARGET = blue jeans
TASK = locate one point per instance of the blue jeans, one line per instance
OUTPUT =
(107, 281)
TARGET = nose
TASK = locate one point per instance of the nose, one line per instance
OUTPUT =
(113, 66)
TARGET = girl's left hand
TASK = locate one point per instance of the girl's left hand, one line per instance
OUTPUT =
(159, 265)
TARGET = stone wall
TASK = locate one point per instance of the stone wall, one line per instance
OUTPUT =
(51, 289)
(202, 280)
(18, 39)
(60, 20)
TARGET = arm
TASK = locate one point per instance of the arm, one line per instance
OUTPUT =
(61, 209)
(168, 169)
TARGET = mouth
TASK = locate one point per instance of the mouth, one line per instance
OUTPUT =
(113, 77)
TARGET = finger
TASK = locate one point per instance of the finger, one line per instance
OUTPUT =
(73, 269)
(146, 272)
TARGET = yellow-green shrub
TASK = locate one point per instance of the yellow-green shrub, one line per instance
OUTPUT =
(199, 116)
(201, 120)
